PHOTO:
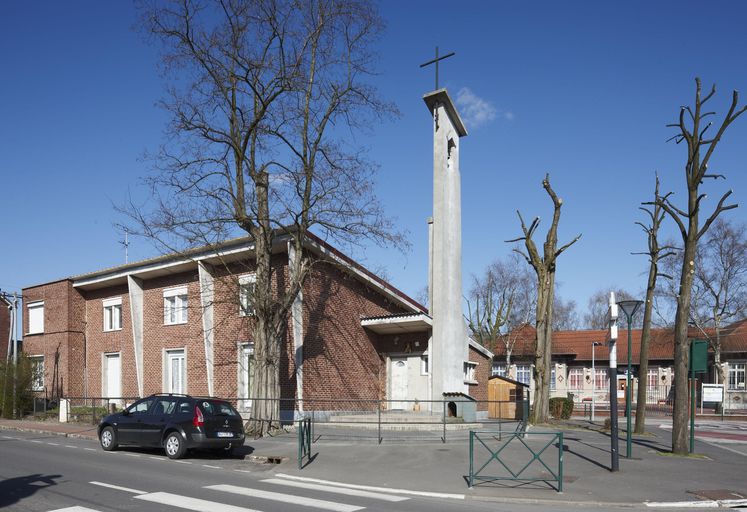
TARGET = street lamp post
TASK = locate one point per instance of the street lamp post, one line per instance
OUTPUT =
(629, 307)
(593, 378)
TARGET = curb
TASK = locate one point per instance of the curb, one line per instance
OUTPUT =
(73, 435)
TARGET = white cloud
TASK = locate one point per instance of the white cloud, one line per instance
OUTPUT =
(475, 110)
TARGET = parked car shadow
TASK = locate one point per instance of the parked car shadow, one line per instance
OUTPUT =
(13, 490)
(240, 452)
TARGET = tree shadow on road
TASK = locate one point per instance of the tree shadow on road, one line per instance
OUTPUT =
(13, 490)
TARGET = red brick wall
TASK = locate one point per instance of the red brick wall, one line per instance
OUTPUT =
(62, 336)
(479, 391)
(341, 359)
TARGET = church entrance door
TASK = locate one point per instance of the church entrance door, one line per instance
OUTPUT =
(398, 383)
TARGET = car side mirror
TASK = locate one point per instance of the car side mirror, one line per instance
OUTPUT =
(125, 412)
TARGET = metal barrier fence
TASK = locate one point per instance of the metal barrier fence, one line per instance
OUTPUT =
(514, 450)
(304, 441)
(92, 409)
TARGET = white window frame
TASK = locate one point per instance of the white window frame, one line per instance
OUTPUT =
(110, 306)
(601, 379)
(470, 372)
(175, 306)
(737, 369)
(553, 376)
(524, 369)
(573, 374)
(36, 319)
(425, 368)
(243, 369)
(246, 283)
(37, 372)
(170, 355)
(498, 369)
(652, 378)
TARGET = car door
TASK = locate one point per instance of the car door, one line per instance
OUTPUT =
(130, 425)
(155, 422)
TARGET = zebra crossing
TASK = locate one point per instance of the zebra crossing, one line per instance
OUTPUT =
(210, 501)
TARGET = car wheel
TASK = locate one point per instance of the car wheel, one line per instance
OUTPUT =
(108, 439)
(175, 446)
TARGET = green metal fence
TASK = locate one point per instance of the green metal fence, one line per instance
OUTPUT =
(304, 441)
(507, 450)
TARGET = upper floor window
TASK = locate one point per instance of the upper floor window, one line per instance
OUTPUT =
(113, 314)
(247, 286)
(424, 365)
(175, 306)
(736, 376)
(36, 317)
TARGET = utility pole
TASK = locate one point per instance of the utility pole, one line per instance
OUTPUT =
(614, 441)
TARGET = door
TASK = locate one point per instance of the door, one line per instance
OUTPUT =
(398, 383)
(245, 360)
(132, 423)
(175, 381)
(113, 377)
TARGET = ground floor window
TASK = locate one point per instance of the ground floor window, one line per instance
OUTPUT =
(601, 379)
(523, 373)
(552, 378)
(469, 371)
(176, 375)
(652, 378)
(37, 373)
(498, 369)
(736, 376)
(576, 378)
(246, 355)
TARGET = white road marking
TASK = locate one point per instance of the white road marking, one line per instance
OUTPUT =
(242, 471)
(211, 467)
(132, 454)
(185, 502)
(117, 487)
(182, 462)
(70, 446)
(337, 490)
(155, 458)
(75, 509)
(8, 437)
(285, 498)
(375, 489)
(90, 449)
(53, 444)
(682, 504)
(34, 441)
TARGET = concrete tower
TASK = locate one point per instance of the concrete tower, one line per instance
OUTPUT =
(449, 349)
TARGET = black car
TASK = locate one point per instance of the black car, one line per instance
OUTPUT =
(176, 423)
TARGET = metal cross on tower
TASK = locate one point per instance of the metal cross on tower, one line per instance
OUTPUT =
(435, 61)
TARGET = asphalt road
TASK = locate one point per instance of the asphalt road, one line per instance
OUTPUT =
(41, 473)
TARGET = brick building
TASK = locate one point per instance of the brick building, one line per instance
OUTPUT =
(183, 324)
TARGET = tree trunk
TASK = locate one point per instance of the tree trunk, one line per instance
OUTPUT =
(680, 411)
(542, 356)
(640, 408)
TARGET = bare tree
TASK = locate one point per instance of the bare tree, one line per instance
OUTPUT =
(692, 129)
(655, 254)
(720, 285)
(598, 307)
(545, 268)
(564, 314)
(500, 302)
(263, 97)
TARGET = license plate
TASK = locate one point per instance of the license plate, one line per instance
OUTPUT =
(225, 434)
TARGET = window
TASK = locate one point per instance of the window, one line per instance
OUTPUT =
(113, 314)
(469, 372)
(176, 378)
(36, 317)
(736, 376)
(246, 354)
(37, 373)
(652, 378)
(523, 373)
(552, 378)
(141, 408)
(424, 365)
(601, 379)
(498, 369)
(247, 285)
(175, 306)
(576, 378)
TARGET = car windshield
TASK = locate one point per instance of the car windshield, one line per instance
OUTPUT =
(217, 408)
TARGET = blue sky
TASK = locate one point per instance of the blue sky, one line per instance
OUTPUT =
(582, 90)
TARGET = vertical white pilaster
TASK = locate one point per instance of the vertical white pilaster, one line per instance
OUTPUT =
(206, 304)
(297, 324)
(135, 288)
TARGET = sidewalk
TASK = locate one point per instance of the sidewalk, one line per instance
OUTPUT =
(434, 467)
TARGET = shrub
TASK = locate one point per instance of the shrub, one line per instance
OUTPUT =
(24, 396)
(561, 408)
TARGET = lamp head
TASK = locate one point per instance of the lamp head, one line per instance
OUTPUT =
(630, 307)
